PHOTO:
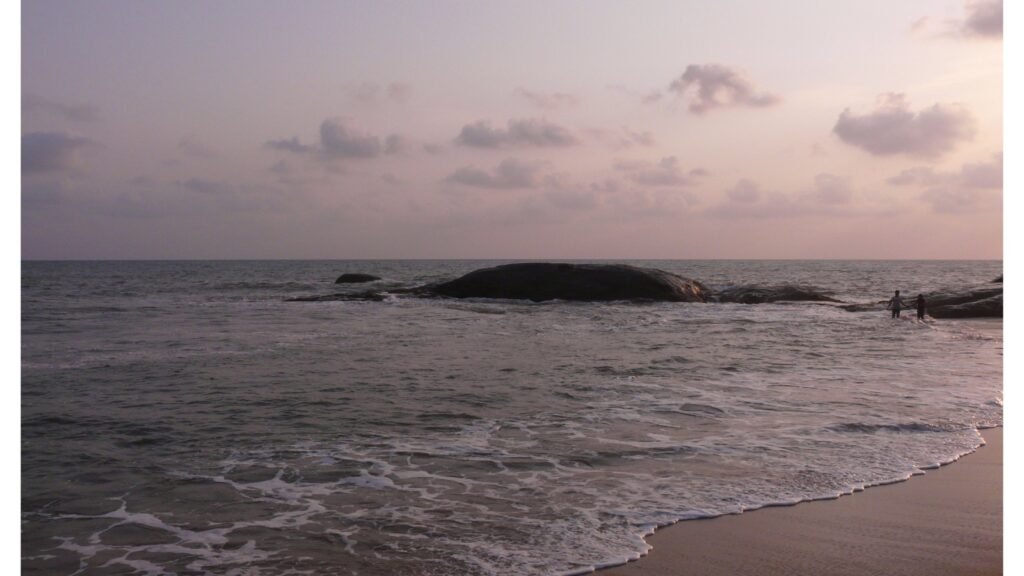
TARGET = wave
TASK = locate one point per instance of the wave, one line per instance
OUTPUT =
(869, 428)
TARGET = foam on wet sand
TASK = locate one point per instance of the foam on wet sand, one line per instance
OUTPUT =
(947, 521)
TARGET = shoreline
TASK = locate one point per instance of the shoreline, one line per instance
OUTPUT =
(948, 520)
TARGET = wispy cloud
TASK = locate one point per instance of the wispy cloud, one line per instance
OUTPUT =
(549, 100)
(396, 144)
(339, 140)
(974, 186)
(711, 86)
(372, 93)
(51, 151)
(893, 128)
(666, 172)
(399, 91)
(983, 18)
(830, 195)
(510, 173)
(529, 132)
(830, 190)
(74, 113)
(289, 145)
(192, 147)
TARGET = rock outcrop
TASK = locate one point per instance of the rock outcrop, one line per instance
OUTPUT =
(984, 308)
(762, 294)
(355, 278)
(581, 282)
(541, 281)
(981, 302)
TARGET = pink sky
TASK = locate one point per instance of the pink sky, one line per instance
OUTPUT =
(867, 129)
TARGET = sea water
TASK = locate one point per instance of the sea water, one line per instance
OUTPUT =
(184, 418)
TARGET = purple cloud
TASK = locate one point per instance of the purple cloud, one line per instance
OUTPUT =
(984, 18)
(629, 138)
(530, 132)
(510, 173)
(666, 172)
(911, 176)
(549, 100)
(987, 175)
(51, 151)
(340, 141)
(893, 128)
(713, 86)
(289, 145)
(965, 190)
(829, 195)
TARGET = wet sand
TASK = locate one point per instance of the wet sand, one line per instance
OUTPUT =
(947, 522)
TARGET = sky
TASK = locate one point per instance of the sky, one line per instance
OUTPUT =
(547, 130)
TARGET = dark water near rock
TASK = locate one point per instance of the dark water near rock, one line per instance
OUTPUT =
(181, 418)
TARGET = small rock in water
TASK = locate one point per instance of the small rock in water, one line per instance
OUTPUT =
(358, 296)
(355, 278)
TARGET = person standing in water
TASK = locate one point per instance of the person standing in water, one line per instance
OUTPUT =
(920, 307)
(895, 304)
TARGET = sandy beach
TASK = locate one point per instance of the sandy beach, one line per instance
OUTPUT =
(948, 521)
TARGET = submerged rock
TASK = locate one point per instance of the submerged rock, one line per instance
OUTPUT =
(865, 306)
(354, 296)
(761, 294)
(355, 278)
(581, 282)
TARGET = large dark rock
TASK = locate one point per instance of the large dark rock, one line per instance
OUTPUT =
(354, 278)
(984, 308)
(586, 282)
(762, 294)
(980, 302)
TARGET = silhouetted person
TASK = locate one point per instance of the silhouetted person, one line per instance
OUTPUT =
(920, 306)
(895, 304)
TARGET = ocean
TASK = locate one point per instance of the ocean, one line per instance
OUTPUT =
(184, 418)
